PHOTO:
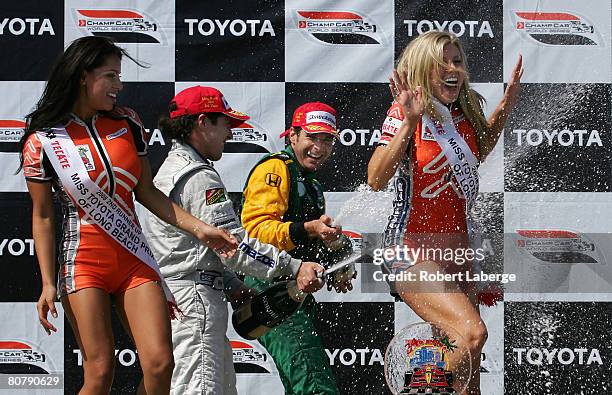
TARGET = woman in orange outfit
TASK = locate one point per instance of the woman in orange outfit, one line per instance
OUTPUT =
(102, 254)
(433, 139)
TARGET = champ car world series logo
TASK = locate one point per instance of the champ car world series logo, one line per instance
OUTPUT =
(557, 246)
(338, 27)
(11, 130)
(557, 28)
(125, 26)
(18, 357)
(248, 138)
(247, 359)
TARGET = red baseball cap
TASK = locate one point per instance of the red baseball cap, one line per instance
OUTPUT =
(203, 99)
(314, 117)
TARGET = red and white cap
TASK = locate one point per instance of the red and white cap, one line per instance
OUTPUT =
(314, 117)
(204, 99)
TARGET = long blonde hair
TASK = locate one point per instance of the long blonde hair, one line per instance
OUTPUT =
(424, 54)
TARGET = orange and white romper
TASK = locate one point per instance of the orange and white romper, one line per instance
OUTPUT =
(110, 145)
(427, 200)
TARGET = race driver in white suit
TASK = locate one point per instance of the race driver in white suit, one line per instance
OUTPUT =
(200, 123)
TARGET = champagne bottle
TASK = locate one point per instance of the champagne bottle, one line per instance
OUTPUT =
(337, 251)
(341, 243)
(267, 309)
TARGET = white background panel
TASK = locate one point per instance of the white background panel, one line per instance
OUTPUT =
(20, 324)
(308, 59)
(159, 56)
(585, 214)
(19, 99)
(358, 212)
(254, 383)
(560, 63)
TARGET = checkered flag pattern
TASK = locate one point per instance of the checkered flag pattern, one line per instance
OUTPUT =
(550, 171)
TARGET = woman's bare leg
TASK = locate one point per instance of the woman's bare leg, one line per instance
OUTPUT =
(89, 314)
(474, 386)
(146, 314)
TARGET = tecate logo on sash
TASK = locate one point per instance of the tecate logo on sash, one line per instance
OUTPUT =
(27, 26)
(556, 28)
(236, 27)
(458, 28)
(125, 26)
(564, 137)
(338, 27)
(563, 356)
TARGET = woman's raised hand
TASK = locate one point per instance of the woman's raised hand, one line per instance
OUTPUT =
(410, 100)
(514, 86)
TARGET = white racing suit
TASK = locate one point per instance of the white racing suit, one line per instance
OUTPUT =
(194, 273)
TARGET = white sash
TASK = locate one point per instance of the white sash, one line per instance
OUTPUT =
(462, 161)
(98, 206)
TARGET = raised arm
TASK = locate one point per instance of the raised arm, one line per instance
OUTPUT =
(497, 120)
(253, 257)
(164, 208)
(386, 158)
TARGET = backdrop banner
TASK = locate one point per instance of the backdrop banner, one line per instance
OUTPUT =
(545, 198)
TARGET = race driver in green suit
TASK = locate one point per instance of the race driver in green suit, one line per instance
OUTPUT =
(283, 205)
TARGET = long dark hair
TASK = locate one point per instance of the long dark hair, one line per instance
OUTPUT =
(62, 89)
